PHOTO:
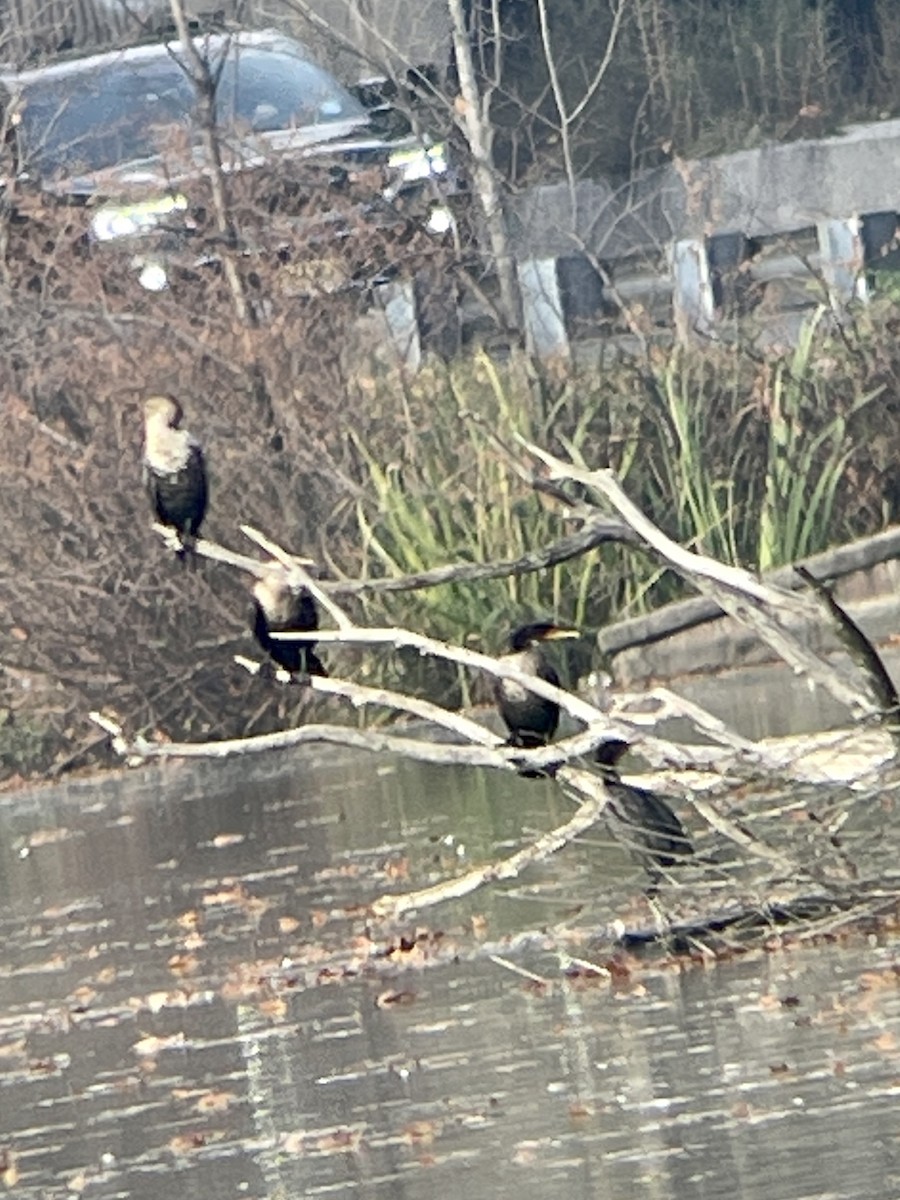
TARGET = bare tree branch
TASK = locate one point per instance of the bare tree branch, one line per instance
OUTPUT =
(750, 601)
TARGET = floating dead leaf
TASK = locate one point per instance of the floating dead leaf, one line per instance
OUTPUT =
(186, 1143)
(105, 976)
(781, 1068)
(421, 1132)
(78, 1182)
(525, 1154)
(235, 894)
(769, 1001)
(580, 1111)
(318, 917)
(154, 1002)
(150, 1047)
(9, 1171)
(20, 634)
(348, 870)
(194, 941)
(48, 837)
(741, 1111)
(189, 919)
(51, 1065)
(255, 906)
(293, 1143)
(872, 981)
(273, 1007)
(215, 1102)
(479, 923)
(340, 1141)
(221, 840)
(83, 997)
(183, 964)
(397, 868)
(620, 967)
(392, 999)
(288, 924)
(240, 987)
(885, 1041)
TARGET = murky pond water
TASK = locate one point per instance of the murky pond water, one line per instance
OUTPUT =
(170, 1019)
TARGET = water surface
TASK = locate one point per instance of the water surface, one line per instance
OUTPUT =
(170, 1002)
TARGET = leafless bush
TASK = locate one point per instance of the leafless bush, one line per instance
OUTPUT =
(97, 611)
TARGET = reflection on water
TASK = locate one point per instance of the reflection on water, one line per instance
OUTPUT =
(162, 1008)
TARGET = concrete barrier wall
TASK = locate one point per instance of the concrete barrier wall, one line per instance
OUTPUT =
(690, 219)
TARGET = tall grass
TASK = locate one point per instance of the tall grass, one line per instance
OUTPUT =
(808, 450)
(742, 457)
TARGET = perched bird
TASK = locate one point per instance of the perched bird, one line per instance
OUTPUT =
(279, 608)
(654, 830)
(530, 718)
(174, 472)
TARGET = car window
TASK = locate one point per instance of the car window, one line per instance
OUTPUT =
(267, 90)
(115, 114)
(123, 110)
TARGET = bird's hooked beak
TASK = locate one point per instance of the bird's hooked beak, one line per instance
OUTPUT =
(559, 633)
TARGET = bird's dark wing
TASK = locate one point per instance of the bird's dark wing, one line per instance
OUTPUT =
(261, 628)
(652, 823)
(306, 613)
(197, 484)
(548, 673)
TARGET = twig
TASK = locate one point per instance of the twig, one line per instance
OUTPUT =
(517, 970)
(735, 589)
(297, 575)
(216, 553)
(573, 705)
(597, 531)
(864, 653)
(591, 786)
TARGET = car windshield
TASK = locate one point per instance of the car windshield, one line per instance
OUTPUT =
(123, 110)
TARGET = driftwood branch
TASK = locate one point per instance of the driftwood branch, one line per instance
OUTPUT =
(596, 531)
(595, 798)
(737, 591)
(297, 575)
(863, 652)
(477, 745)
(580, 709)
(681, 615)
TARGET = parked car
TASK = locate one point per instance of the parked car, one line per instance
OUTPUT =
(118, 132)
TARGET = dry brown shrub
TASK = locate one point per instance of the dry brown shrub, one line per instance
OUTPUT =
(94, 610)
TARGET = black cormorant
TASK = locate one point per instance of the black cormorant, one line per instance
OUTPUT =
(530, 718)
(653, 828)
(174, 471)
(280, 608)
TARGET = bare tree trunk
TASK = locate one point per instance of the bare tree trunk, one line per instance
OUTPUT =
(205, 90)
(473, 118)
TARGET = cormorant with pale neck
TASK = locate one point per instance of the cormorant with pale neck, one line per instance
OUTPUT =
(654, 830)
(174, 472)
(280, 608)
(530, 719)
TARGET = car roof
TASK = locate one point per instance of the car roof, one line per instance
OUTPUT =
(264, 39)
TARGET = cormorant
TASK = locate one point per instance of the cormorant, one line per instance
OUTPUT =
(174, 471)
(530, 718)
(654, 829)
(279, 608)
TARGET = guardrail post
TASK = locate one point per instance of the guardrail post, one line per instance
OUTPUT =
(398, 301)
(692, 295)
(545, 326)
(842, 258)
